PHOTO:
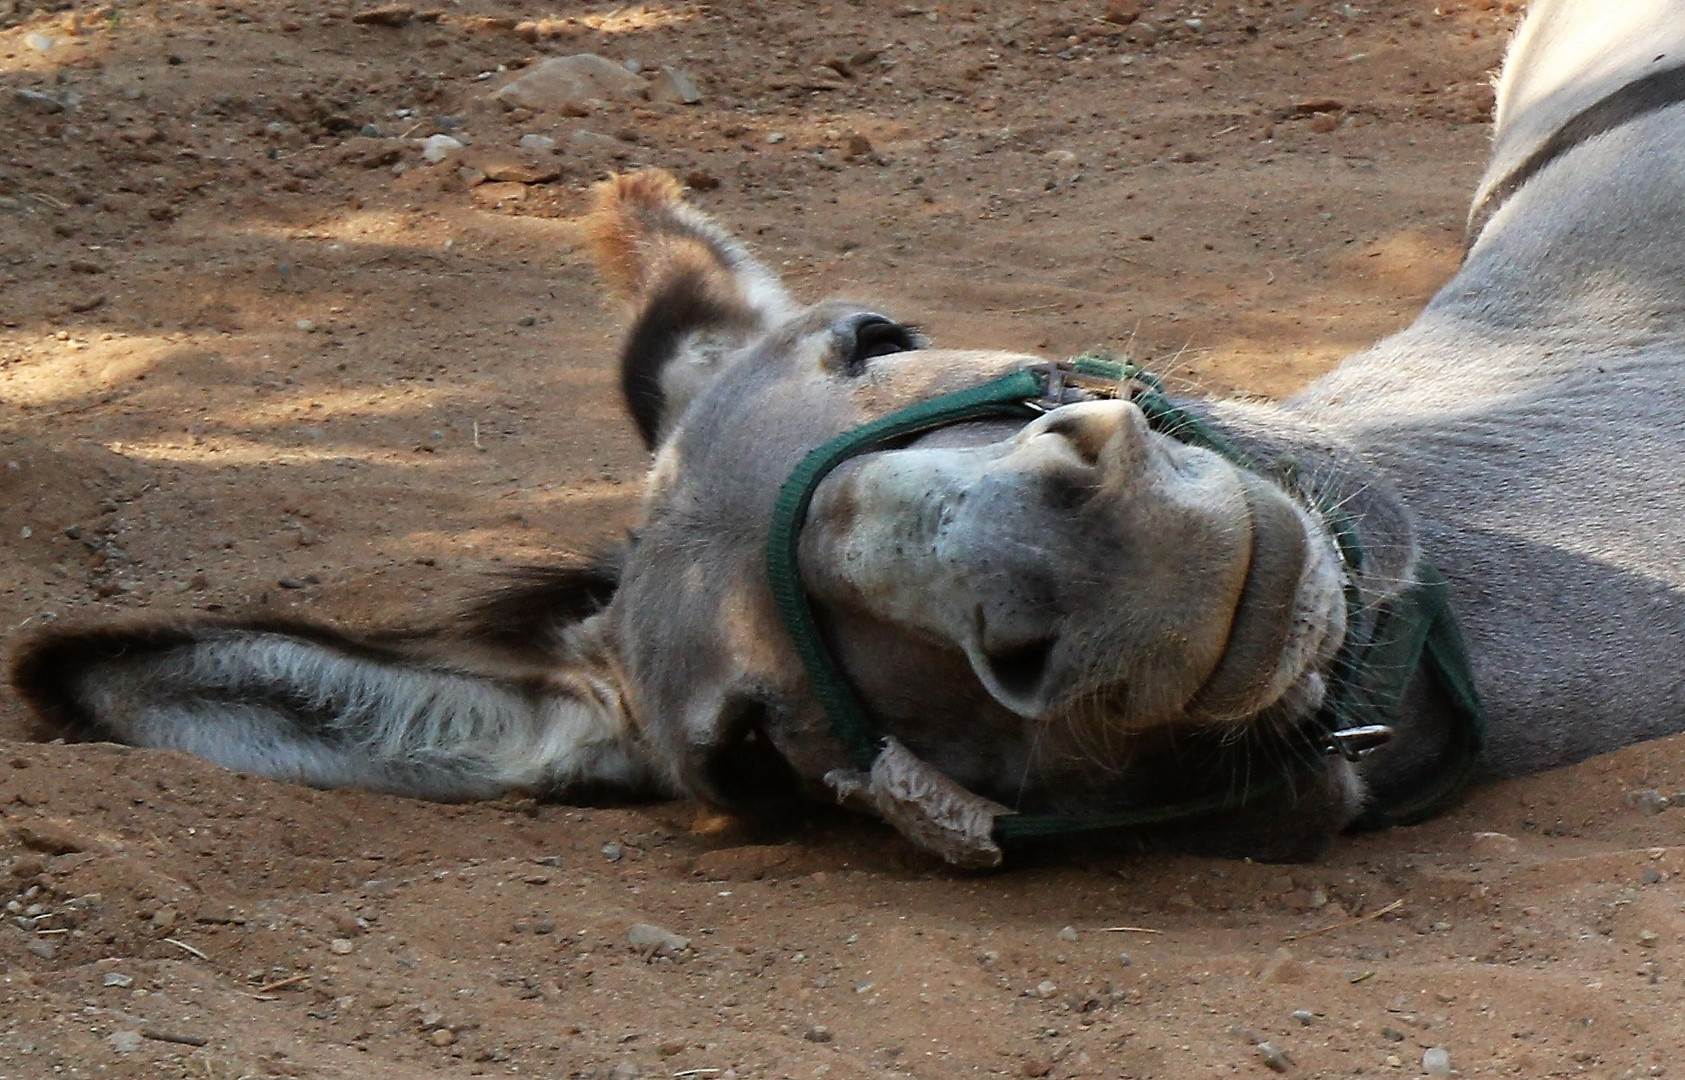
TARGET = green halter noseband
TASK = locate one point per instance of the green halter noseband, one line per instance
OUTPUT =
(1368, 679)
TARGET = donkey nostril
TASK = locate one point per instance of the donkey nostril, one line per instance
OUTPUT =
(1020, 669)
(1069, 490)
(1087, 428)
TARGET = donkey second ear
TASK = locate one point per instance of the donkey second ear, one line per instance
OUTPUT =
(696, 294)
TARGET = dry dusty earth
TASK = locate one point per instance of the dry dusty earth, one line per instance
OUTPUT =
(254, 351)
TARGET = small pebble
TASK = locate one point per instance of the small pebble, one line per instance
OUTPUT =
(1436, 1062)
(1304, 1016)
(1648, 938)
(1273, 1058)
(442, 1037)
(38, 42)
(392, 15)
(1394, 1061)
(341, 946)
(38, 101)
(436, 148)
(1494, 845)
(1046, 988)
(118, 979)
(613, 852)
(1124, 12)
(1282, 967)
(818, 1033)
(124, 1042)
(674, 86)
(655, 941)
(537, 142)
(1069, 933)
(1650, 802)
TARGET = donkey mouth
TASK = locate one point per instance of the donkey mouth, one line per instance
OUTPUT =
(1279, 634)
(1274, 636)
(1288, 611)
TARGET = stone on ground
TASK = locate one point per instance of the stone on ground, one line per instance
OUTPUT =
(565, 83)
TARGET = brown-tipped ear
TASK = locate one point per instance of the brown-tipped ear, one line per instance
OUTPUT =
(696, 294)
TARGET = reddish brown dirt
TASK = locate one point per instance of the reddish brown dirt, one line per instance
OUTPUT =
(232, 354)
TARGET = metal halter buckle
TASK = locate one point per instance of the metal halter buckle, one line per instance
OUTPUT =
(1063, 384)
(1357, 743)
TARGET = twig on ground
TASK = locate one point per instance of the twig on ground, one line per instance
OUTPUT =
(278, 984)
(184, 945)
(173, 1037)
(1376, 914)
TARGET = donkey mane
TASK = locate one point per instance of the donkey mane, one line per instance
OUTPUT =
(525, 607)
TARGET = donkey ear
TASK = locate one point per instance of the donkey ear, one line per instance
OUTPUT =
(696, 294)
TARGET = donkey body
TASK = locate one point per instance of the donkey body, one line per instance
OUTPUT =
(1071, 614)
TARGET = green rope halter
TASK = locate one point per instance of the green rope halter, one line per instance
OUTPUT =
(1369, 675)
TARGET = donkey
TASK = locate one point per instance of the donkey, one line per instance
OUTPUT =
(991, 597)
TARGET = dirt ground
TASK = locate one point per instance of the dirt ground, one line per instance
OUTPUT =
(254, 351)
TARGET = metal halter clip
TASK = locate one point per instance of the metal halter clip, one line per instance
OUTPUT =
(1063, 385)
(1357, 743)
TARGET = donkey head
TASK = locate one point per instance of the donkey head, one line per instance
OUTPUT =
(1064, 614)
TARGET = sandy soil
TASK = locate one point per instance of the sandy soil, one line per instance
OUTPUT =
(253, 353)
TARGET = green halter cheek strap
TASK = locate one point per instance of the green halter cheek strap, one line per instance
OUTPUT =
(1370, 673)
(1006, 396)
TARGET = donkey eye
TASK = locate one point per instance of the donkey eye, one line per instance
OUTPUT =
(868, 337)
